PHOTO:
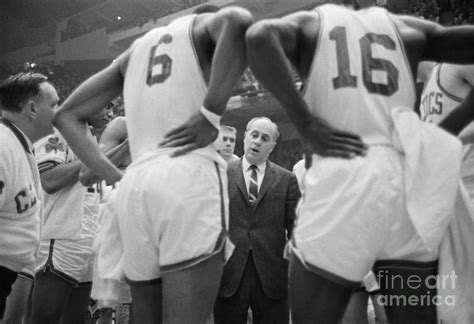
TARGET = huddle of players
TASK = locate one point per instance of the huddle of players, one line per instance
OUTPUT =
(174, 243)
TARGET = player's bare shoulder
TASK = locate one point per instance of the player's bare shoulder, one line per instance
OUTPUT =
(209, 25)
(413, 33)
(412, 29)
(116, 131)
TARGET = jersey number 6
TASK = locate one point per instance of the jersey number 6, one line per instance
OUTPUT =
(164, 60)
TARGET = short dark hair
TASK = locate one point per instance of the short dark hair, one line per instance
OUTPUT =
(18, 88)
(205, 8)
(229, 128)
(352, 3)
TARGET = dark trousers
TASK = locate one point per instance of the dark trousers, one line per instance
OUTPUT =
(7, 278)
(234, 310)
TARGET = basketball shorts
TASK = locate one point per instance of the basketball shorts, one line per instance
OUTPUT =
(353, 213)
(27, 272)
(172, 213)
(71, 260)
(109, 286)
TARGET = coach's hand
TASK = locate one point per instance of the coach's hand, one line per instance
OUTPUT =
(324, 140)
(197, 132)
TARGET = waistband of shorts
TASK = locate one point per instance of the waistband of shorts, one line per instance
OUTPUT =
(292, 249)
(50, 267)
(206, 153)
(26, 275)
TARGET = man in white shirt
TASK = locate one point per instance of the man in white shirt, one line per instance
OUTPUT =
(28, 101)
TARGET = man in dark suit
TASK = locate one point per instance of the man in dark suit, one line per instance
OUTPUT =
(263, 198)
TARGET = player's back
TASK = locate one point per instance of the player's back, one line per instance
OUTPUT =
(164, 84)
(359, 72)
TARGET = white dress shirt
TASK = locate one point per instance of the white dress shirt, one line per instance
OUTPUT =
(247, 171)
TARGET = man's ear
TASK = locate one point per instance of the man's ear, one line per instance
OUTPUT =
(31, 109)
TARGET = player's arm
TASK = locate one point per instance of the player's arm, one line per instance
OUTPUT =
(463, 114)
(271, 45)
(293, 196)
(54, 165)
(115, 155)
(114, 134)
(114, 144)
(438, 43)
(226, 28)
(60, 176)
(88, 99)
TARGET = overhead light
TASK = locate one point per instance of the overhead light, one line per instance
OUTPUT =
(119, 18)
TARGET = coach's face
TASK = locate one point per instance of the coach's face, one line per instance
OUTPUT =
(259, 141)
(45, 104)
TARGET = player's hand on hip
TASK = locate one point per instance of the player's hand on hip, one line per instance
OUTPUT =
(324, 140)
(195, 133)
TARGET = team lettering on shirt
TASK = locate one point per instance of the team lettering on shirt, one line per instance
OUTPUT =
(432, 104)
(24, 200)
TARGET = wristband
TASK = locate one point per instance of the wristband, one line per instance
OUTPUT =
(213, 118)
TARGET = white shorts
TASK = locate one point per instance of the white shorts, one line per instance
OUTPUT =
(172, 213)
(109, 286)
(27, 272)
(353, 213)
(467, 170)
(71, 260)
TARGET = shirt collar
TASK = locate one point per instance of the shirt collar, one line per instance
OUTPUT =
(246, 166)
(24, 140)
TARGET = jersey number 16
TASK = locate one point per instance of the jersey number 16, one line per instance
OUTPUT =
(344, 78)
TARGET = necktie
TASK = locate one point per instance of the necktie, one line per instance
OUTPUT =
(253, 184)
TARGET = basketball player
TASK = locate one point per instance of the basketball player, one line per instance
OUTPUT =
(65, 257)
(358, 67)
(448, 100)
(172, 212)
(114, 143)
(28, 101)
(450, 87)
(108, 289)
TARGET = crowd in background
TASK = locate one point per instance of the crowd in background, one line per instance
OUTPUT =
(66, 78)
(128, 20)
(462, 10)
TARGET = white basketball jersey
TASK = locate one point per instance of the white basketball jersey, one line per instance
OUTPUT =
(436, 103)
(359, 75)
(63, 209)
(21, 200)
(164, 85)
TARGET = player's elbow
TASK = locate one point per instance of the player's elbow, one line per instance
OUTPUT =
(84, 180)
(257, 36)
(59, 118)
(239, 19)
(85, 177)
(49, 190)
(49, 186)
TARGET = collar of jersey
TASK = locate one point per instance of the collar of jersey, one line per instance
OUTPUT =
(18, 133)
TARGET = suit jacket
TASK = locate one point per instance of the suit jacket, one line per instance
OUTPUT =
(263, 228)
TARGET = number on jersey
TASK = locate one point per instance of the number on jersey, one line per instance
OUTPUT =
(159, 67)
(344, 78)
